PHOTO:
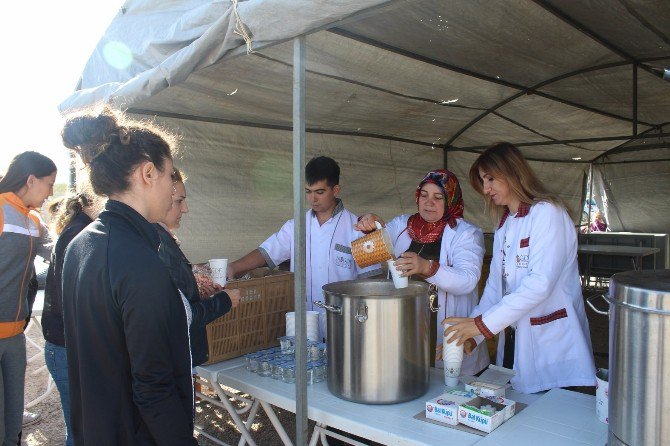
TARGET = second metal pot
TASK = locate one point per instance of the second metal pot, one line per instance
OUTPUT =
(378, 340)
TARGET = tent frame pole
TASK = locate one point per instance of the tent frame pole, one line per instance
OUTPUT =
(299, 238)
(635, 99)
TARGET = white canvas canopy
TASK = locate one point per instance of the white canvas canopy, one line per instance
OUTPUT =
(394, 89)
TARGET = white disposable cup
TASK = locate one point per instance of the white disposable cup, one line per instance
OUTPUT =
(602, 395)
(290, 324)
(313, 326)
(398, 281)
(452, 355)
(313, 330)
(219, 268)
(452, 371)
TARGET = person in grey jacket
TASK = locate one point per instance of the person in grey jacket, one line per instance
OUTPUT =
(25, 186)
(126, 324)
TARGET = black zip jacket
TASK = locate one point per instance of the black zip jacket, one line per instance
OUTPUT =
(52, 315)
(203, 311)
(126, 335)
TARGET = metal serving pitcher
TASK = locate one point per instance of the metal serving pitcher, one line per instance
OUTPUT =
(378, 340)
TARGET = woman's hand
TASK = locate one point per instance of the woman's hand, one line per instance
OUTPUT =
(409, 263)
(234, 295)
(464, 330)
(366, 223)
(468, 347)
(208, 289)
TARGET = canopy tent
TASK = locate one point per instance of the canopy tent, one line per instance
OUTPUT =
(393, 89)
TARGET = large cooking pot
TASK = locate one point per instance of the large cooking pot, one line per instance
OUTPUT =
(639, 358)
(378, 340)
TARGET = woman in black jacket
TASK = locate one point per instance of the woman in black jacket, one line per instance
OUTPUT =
(126, 326)
(68, 217)
(203, 311)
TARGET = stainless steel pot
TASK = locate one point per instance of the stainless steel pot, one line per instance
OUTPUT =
(639, 358)
(378, 340)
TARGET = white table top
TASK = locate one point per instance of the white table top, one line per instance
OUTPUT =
(395, 424)
(560, 417)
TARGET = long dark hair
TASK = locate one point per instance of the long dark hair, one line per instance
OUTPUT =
(22, 166)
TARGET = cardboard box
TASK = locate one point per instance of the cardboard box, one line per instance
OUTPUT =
(492, 382)
(444, 408)
(471, 414)
(485, 389)
(510, 406)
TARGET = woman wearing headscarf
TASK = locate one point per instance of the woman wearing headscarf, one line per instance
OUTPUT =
(437, 245)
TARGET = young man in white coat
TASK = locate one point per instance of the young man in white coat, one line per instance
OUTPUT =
(533, 295)
(329, 233)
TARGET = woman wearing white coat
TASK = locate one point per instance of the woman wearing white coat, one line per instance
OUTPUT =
(533, 294)
(437, 245)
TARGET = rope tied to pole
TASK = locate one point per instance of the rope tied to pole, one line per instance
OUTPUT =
(241, 29)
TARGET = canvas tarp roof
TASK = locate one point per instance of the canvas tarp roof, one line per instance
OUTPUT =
(393, 86)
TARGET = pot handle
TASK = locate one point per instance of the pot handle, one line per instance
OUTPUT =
(432, 297)
(362, 313)
(593, 307)
(332, 308)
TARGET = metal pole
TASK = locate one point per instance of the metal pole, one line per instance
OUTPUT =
(299, 239)
(72, 179)
(588, 221)
(634, 99)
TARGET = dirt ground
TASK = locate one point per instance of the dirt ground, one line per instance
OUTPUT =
(50, 429)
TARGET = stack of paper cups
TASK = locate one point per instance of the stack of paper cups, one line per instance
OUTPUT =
(602, 395)
(313, 332)
(453, 358)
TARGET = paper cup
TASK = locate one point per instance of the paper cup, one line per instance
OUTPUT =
(452, 355)
(398, 281)
(452, 371)
(313, 329)
(602, 395)
(372, 248)
(219, 268)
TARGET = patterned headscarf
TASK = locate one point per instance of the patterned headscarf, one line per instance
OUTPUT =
(422, 231)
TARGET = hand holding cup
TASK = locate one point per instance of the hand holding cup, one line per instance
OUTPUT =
(235, 296)
(219, 268)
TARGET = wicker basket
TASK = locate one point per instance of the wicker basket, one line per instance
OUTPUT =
(258, 320)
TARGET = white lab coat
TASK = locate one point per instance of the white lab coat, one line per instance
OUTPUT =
(461, 256)
(553, 344)
(338, 233)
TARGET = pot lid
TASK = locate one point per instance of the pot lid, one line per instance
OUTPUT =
(643, 290)
(375, 288)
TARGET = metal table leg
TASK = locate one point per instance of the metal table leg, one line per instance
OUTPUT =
(276, 423)
(232, 411)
